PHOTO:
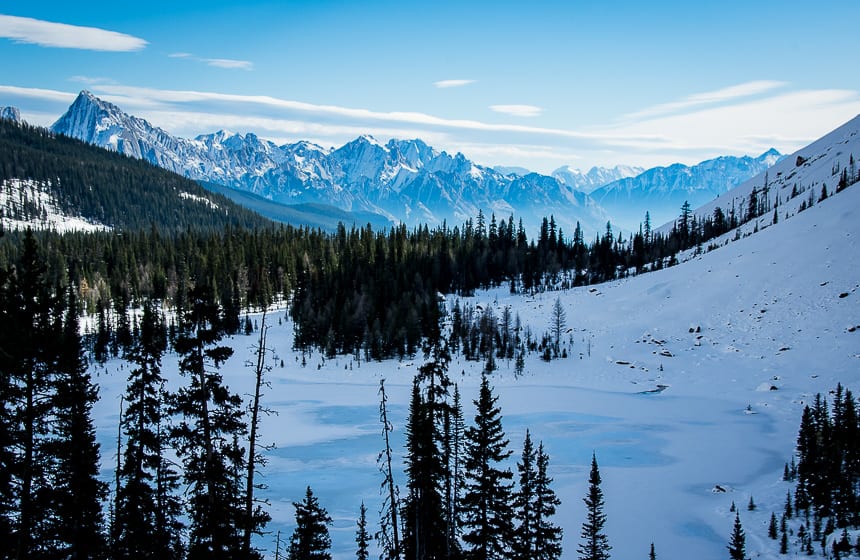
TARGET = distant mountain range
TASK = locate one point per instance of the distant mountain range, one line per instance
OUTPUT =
(662, 190)
(406, 180)
(595, 177)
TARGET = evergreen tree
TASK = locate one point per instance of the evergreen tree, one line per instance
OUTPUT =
(362, 537)
(772, 529)
(488, 530)
(146, 516)
(652, 555)
(30, 335)
(77, 493)
(547, 536)
(207, 435)
(310, 539)
(737, 544)
(523, 502)
(595, 544)
(423, 518)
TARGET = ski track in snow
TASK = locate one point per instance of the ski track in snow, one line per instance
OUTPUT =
(769, 312)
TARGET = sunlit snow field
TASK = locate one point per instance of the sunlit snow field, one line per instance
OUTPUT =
(773, 309)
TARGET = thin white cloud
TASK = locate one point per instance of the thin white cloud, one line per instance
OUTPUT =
(517, 110)
(229, 63)
(61, 35)
(745, 125)
(444, 84)
(697, 100)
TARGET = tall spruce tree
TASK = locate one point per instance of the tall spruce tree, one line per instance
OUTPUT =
(362, 537)
(737, 543)
(524, 499)
(31, 331)
(454, 449)
(310, 539)
(547, 535)
(595, 544)
(207, 435)
(77, 493)
(488, 529)
(147, 513)
(423, 519)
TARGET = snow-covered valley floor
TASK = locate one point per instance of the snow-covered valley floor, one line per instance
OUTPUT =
(778, 309)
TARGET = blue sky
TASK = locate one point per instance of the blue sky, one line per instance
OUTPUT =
(538, 85)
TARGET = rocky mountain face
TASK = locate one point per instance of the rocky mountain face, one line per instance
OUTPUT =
(405, 180)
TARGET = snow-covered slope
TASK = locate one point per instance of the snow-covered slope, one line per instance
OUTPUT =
(796, 180)
(680, 381)
(662, 190)
(30, 204)
(595, 177)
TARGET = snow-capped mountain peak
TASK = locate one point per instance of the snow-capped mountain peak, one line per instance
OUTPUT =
(10, 113)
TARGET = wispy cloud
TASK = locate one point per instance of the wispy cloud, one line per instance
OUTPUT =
(61, 35)
(517, 110)
(744, 125)
(710, 98)
(444, 84)
(228, 63)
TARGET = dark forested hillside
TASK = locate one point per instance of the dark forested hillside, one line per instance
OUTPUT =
(109, 188)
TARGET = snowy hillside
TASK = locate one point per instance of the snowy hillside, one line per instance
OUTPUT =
(796, 180)
(681, 381)
(29, 204)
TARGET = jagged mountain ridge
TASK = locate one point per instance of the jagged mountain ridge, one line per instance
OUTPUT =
(594, 178)
(405, 180)
(662, 190)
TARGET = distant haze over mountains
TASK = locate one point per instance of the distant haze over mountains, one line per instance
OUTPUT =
(407, 180)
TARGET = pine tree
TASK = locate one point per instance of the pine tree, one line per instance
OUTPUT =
(207, 435)
(77, 492)
(595, 544)
(310, 539)
(362, 537)
(30, 332)
(488, 530)
(737, 544)
(453, 447)
(146, 516)
(423, 517)
(524, 499)
(772, 529)
(558, 319)
(547, 535)
(651, 554)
